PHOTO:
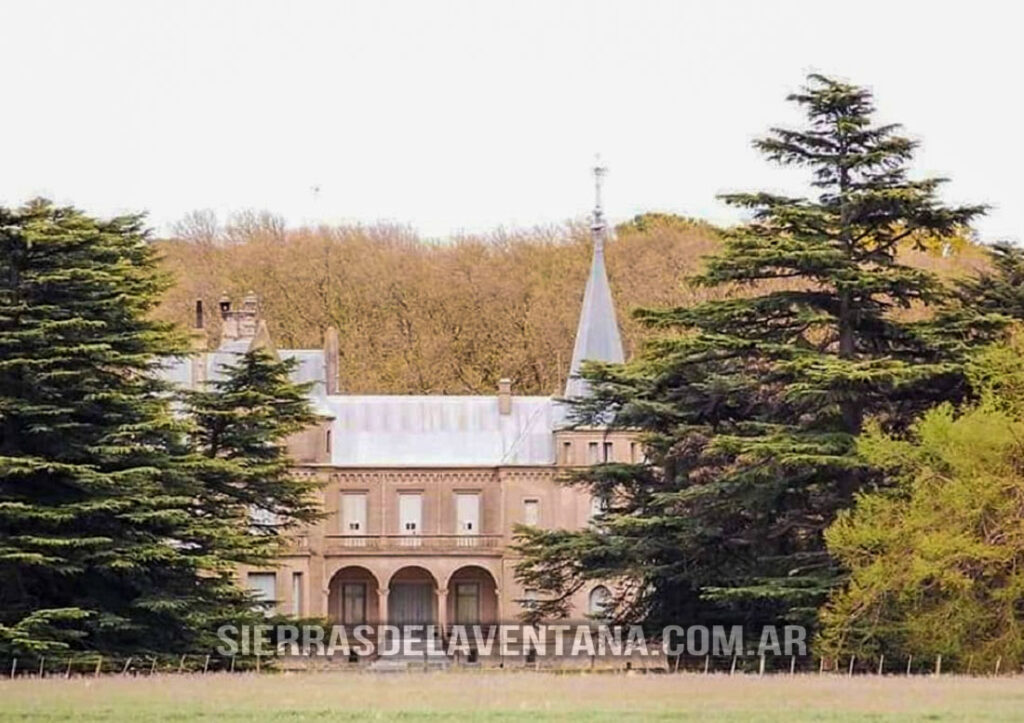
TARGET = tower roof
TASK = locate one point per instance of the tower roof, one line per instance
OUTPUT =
(597, 336)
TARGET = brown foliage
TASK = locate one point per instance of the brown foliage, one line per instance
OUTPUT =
(441, 317)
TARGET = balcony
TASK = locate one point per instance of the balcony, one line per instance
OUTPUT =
(356, 544)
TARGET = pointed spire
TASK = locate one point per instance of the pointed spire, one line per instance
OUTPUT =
(597, 336)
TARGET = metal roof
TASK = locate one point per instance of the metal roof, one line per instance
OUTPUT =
(597, 336)
(386, 431)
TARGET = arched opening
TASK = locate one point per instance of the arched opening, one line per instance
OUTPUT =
(352, 597)
(472, 597)
(598, 601)
(412, 595)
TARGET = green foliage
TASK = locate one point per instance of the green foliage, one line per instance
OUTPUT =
(749, 406)
(111, 535)
(1000, 289)
(241, 425)
(937, 560)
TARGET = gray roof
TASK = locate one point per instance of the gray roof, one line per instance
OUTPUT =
(397, 431)
(597, 336)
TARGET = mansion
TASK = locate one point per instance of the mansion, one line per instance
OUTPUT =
(422, 494)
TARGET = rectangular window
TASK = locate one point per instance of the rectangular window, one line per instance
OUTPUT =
(632, 452)
(467, 513)
(353, 603)
(467, 603)
(263, 585)
(410, 517)
(531, 512)
(566, 452)
(353, 513)
(593, 449)
(609, 452)
(296, 594)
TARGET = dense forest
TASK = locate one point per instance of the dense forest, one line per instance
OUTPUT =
(423, 316)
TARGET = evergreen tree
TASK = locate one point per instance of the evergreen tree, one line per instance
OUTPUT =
(1000, 289)
(96, 535)
(240, 426)
(936, 560)
(749, 406)
(122, 523)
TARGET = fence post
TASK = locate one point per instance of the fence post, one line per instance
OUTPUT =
(999, 661)
(732, 670)
(707, 664)
(127, 664)
(181, 663)
(99, 666)
(938, 665)
(14, 667)
(910, 660)
(152, 668)
(232, 663)
(68, 673)
(821, 665)
(853, 659)
(881, 663)
(206, 665)
(792, 665)
(42, 670)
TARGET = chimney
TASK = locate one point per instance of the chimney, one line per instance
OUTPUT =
(505, 396)
(248, 317)
(199, 343)
(243, 323)
(229, 321)
(331, 349)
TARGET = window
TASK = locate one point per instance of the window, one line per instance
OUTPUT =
(609, 452)
(467, 517)
(467, 513)
(263, 585)
(296, 594)
(353, 603)
(410, 517)
(328, 443)
(353, 513)
(531, 512)
(632, 452)
(566, 452)
(593, 449)
(467, 603)
(597, 603)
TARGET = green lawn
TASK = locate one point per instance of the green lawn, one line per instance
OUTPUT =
(510, 696)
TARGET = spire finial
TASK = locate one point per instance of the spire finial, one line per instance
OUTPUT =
(597, 226)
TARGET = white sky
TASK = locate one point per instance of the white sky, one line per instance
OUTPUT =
(465, 116)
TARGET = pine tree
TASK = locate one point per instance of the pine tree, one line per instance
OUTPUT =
(97, 543)
(749, 406)
(1001, 288)
(240, 426)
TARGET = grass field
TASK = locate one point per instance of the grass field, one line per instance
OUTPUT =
(524, 696)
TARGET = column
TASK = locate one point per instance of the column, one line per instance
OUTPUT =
(382, 605)
(442, 610)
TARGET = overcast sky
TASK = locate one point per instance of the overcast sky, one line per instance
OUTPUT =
(465, 116)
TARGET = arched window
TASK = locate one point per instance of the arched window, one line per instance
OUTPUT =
(600, 599)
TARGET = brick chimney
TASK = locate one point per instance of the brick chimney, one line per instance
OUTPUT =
(505, 396)
(241, 324)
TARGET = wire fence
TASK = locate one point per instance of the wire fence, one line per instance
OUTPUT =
(95, 665)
